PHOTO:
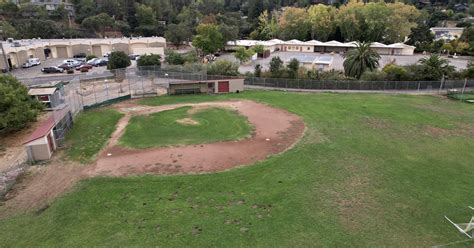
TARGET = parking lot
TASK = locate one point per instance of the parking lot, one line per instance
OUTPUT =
(35, 71)
(338, 60)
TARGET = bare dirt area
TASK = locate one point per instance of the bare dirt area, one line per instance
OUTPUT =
(41, 184)
(275, 131)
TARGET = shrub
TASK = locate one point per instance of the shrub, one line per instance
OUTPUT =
(276, 66)
(17, 107)
(118, 60)
(374, 75)
(174, 58)
(149, 60)
(395, 72)
(223, 67)
(293, 67)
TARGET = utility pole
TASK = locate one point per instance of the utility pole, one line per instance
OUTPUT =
(5, 60)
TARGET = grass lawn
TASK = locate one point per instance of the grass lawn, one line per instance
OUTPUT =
(465, 97)
(372, 170)
(90, 133)
(162, 129)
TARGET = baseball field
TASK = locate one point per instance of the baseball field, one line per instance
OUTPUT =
(260, 168)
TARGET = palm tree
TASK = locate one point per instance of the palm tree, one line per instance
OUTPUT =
(360, 59)
(435, 61)
(436, 66)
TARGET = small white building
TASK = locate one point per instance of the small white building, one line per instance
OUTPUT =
(41, 144)
(320, 63)
(446, 33)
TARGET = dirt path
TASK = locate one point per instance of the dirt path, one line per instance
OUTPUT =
(276, 130)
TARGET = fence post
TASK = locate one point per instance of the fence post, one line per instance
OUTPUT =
(418, 88)
(463, 89)
(441, 85)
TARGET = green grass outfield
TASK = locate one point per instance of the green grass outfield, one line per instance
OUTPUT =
(372, 170)
(464, 97)
(162, 129)
(90, 133)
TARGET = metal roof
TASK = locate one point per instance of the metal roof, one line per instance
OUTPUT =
(333, 43)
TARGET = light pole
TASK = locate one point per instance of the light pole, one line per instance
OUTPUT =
(5, 60)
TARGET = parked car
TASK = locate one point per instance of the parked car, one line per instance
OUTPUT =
(134, 56)
(103, 62)
(72, 62)
(92, 61)
(65, 66)
(26, 65)
(106, 55)
(99, 62)
(86, 66)
(84, 69)
(80, 56)
(34, 61)
(52, 69)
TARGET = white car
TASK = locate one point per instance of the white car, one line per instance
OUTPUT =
(26, 65)
(91, 61)
(33, 61)
(71, 62)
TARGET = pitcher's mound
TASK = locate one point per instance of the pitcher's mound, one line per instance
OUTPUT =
(187, 121)
(275, 130)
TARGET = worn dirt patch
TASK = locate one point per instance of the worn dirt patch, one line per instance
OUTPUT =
(187, 121)
(40, 185)
(376, 123)
(275, 131)
(461, 130)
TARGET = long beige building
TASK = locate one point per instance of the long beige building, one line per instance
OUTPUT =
(18, 52)
(314, 46)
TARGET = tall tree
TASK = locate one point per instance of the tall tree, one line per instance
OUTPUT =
(208, 38)
(421, 37)
(360, 59)
(178, 33)
(267, 26)
(17, 108)
(293, 24)
(84, 9)
(99, 23)
(350, 20)
(145, 15)
(322, 21)
(243, 54)
(255, 8)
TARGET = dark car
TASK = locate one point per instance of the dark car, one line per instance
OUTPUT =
(65, 66)
(80, 55)
(86, 66)
(52, 69)
(102, 62)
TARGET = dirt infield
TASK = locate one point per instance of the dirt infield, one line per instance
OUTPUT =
(275, 131)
